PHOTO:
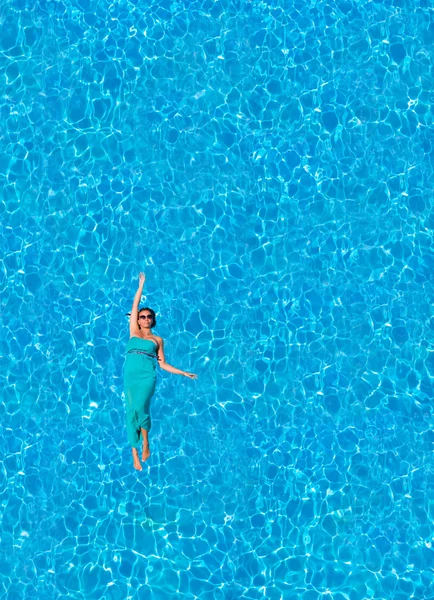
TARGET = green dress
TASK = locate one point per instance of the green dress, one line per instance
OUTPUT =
(139, 384)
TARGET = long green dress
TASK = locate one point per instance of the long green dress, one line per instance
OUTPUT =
(139, 384)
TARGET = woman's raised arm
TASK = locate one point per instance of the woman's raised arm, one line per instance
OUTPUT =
(134, 328)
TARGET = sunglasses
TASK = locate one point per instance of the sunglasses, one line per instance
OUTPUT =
(145, 317)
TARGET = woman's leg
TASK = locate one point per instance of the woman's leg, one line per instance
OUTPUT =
(133, 437)
(136, 460)
(146, 452)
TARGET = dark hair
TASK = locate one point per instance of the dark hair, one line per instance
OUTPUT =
(154, 320)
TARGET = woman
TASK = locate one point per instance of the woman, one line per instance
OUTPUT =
(139, 374)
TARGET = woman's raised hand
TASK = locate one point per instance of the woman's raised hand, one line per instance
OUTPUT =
(142, 279)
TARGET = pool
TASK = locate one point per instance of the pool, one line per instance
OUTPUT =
(269, 166)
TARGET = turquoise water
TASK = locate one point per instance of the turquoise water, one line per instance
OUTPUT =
(270, 168)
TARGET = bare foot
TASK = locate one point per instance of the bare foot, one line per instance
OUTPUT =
(146, 453)
(137, 464)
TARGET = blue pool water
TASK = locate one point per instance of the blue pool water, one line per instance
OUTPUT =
(270, 167)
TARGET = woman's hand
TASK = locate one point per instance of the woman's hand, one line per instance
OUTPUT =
(142, 279)
(190, 375)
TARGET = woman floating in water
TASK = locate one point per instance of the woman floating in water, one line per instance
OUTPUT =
(139, 374)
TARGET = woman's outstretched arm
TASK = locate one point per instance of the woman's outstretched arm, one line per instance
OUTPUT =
(166, 367)
(134, 328)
